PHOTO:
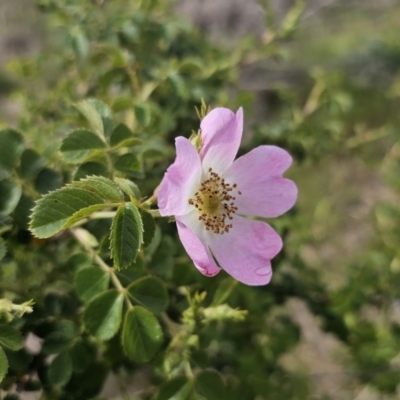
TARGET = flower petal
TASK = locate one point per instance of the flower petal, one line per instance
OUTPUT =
(245, 252)
(221, 133)
(258, 175)
(181, 180)
(197, 250)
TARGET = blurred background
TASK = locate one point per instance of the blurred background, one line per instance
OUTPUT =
(320, 78)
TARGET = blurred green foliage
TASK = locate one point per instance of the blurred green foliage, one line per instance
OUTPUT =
(191, 337)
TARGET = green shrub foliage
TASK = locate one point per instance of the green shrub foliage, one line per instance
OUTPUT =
(89, 271)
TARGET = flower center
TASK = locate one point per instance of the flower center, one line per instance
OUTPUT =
(215, 203)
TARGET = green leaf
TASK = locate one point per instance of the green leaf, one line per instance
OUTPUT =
(63, 207)
(129, 187)
(22, 212)
(60, 369)
(10, 193)
(48, 180)
(3, 248)
(79, 42)
(176, 389)
(90, 168)
(122, 136)
(3, 365)
(149, 227)
(55, 342)
(142, 335)
(92, 116)
(103, 314)
(85, 212)
(143, 115)
(91, 281)
(80, 145)
(105, 114)
(103, 187)
(52, 212)
(18, 360)
(11, 338)
(126, 235)
(11, 146)
(82, 356)
(128, 163)
(209, 384)
(134, 271)
(149, 292)
(31, 164)
(122, 104)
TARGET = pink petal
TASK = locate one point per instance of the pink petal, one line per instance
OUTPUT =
(181, 180)
(221, 132)
(245, 252)
(258, 175)
(197, 250)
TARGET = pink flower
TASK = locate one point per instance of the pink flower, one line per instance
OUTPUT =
(209, 192)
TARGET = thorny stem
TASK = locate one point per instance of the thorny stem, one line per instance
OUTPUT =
(100, 262)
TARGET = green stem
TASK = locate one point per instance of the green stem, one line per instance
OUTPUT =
(106, 268)
(154, 213)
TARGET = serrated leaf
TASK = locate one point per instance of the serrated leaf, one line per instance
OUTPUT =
(91, 281)
(126, 235)
(10, 194)
(149, 227)
(53, 211)
(103, 187)
(142, 335)
(85, 212)
(3, 248)
(103, 315)
(127, 163)
(63, 207)
(209, 384)
(80, 145)
(11, 338)
(105, 114)
(31, 164)
(90, 168)
(176, 389)
(91, 115)
(3, 365)
(11, 146)
(149, 292)
(122, 136)
(129, 187)
(60, 369)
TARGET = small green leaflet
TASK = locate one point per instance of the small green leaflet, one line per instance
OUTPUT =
(64, 207)
(142, 335)
(103, 315)
(126, 235)
(60, 369)
(3, 364)
(149, 292)
(11, 146)
(80, 145)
